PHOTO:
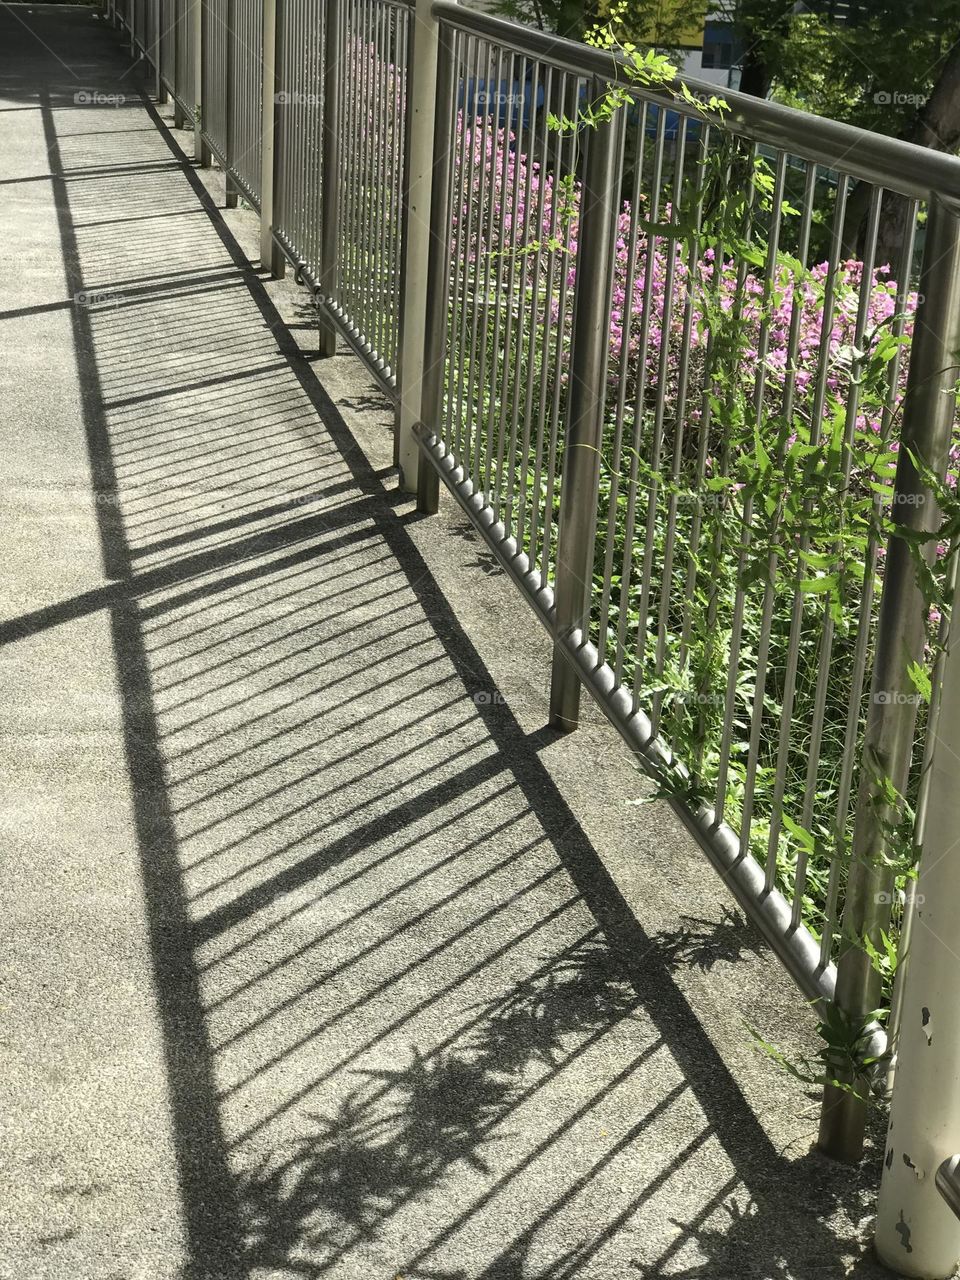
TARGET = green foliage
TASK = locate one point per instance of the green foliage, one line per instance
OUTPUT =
(845, 1061)
(642, 67)
(649, 22)
(884, 958)
(875, 74)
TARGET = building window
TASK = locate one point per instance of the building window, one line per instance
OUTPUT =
(718, 46)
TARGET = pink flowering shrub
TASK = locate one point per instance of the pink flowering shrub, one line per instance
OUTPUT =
(506, 200)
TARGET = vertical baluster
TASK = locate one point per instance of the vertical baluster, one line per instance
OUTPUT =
(580, 479)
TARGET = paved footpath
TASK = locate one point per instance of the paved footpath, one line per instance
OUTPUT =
(318, 959)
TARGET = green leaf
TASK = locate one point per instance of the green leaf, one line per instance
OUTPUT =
(920, 680)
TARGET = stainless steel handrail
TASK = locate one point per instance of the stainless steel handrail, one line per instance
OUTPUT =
(948, 1182)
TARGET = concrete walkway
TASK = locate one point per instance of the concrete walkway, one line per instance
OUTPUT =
(321, 956)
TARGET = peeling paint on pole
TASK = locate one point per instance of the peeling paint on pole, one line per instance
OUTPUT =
(918, 1232)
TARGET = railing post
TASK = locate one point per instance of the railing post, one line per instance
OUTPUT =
(417, 189)
(201, 151)
(271, 259)
(583, 431)
(918, 1234)
(159, 92)
(178, 117)
(333, 73)
(928, 415)
(430, 369)
(231, 196)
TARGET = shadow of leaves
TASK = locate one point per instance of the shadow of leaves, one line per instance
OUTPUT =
(399, 1132)
(706, 943)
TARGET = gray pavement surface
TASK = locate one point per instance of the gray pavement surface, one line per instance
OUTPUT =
(321, 955)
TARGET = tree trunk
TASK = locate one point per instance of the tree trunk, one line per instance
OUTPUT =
(572, 19)
(755, 75)
(759, 32)
(938, 127)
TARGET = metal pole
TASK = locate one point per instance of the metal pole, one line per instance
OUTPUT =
(918, 1233)
(923, 796)
(229, 95)
(928, 415)
(159, 90)
(431, 368)
(278, 260)
(333, 73)
(178, 117)
(201, 152)
(417, 187)
(948, 1183)
(269, 253)
(401, 287)
(583, 432)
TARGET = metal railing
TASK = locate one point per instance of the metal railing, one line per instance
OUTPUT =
(168, 48)
(948, 1183)
(368, 100)
(341, 109)
(586, 404)
(345, 237)
(638, 353)
(231, 62)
